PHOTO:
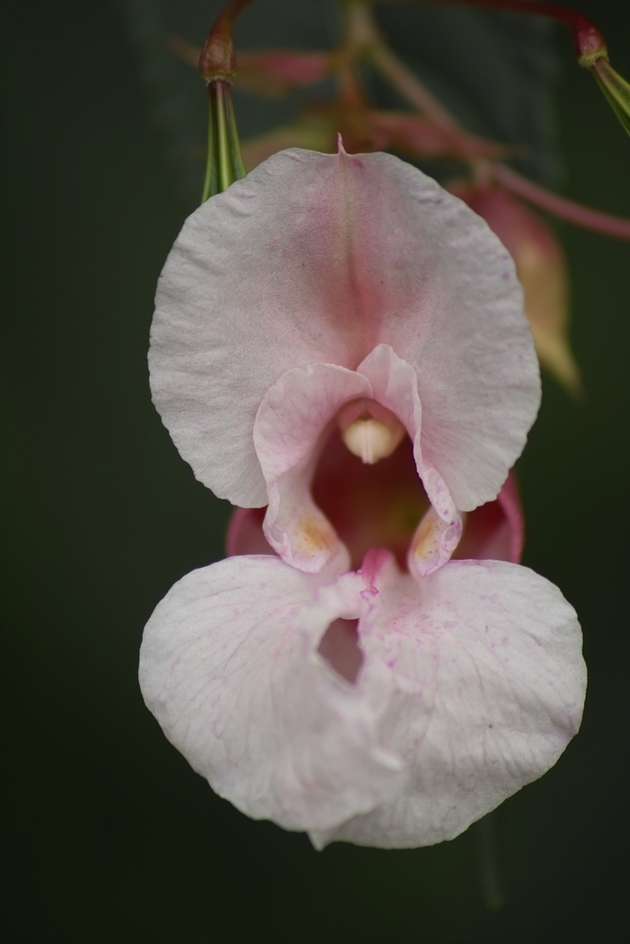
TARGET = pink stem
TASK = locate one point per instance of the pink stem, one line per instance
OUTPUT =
(559, 206)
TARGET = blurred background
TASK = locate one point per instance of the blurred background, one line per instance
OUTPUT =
(110, 835)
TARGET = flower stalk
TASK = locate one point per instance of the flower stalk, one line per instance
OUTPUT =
(595, 220)
(224, 163)
(615, 89)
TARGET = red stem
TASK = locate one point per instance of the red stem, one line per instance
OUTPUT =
(588, 41)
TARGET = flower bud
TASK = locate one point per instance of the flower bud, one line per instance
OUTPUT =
(217, 61)
(541, 268)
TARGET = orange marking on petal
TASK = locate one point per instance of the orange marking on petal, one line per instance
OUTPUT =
(315, 534)
(427, 534)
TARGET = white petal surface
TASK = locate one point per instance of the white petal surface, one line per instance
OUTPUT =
(315, 258)
(229, 667)
(487, 680)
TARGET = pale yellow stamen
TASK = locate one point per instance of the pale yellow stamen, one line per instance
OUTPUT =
(371, 440)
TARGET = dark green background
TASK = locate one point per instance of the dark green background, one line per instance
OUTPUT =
(111, 837)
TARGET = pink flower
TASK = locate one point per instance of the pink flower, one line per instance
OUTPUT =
(322, 306)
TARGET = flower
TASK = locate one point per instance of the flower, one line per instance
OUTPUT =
(322, 311)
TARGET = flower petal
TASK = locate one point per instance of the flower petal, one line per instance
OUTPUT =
(496, 530)
(487, 680)
(291, 429)
(395, 385)
(316, 258)
(230, 668)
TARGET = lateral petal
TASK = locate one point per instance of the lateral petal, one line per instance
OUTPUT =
(292, 425)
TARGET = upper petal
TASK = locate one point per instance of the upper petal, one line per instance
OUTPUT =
(230, 668)
(487, 679)
(315, 258)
